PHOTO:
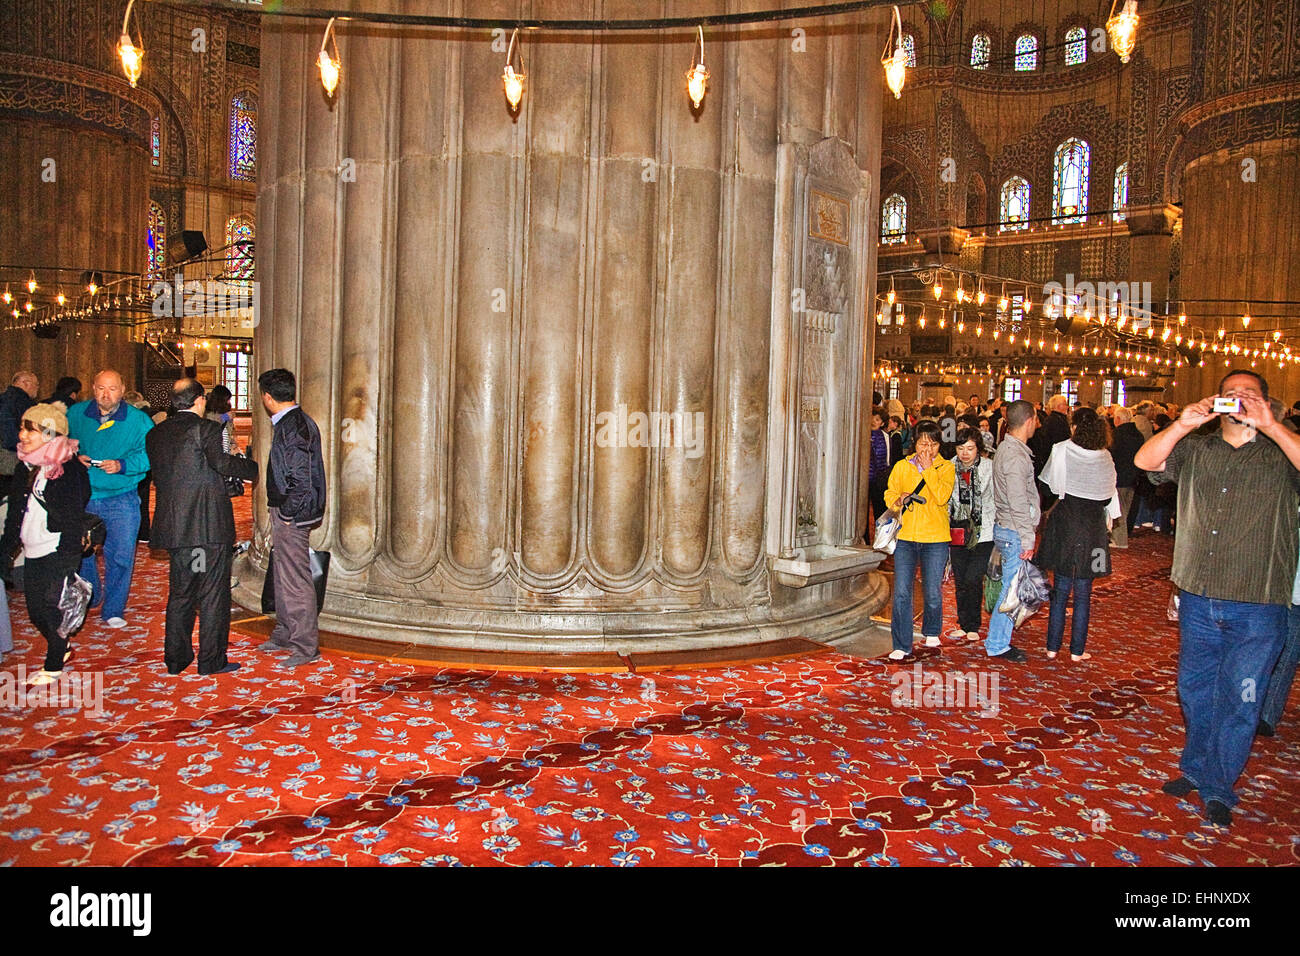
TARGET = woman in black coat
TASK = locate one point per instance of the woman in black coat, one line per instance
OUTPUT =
(47, 507)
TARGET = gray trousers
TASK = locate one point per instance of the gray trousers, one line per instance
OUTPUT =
(1119, 531)
(295, 596)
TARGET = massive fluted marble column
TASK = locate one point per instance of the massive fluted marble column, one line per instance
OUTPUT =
(481, 308)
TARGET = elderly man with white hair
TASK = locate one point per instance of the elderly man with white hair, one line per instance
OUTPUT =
(1124, 445)
(111, 437)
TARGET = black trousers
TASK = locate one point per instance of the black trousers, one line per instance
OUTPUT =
(43, 585)
(968, 567)
(199, 582)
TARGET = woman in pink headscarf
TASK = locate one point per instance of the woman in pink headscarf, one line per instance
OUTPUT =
(47, 505)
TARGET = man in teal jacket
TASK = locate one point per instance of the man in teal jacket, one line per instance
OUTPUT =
(111, 434)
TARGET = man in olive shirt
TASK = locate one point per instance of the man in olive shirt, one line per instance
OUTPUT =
(1234, 561)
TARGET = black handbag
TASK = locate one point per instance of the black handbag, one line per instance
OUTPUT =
(320, 572)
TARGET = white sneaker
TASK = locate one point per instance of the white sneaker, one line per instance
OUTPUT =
(932, 642)
(115, 622)
(897, 655)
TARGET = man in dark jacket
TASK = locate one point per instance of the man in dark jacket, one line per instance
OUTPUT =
(1124, 446)
(68, 391)
(194, 522)
(295, 495)
(17, 398)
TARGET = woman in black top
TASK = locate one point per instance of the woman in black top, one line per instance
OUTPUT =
(47, 507)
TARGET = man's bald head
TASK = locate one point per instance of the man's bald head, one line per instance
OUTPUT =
(109, 389)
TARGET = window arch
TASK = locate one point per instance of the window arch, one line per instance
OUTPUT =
(893, 219)
(1076, 46)
(981, 48)
(239, 254)
(1015, 204)
(1119, 199)
(1026, 52)
(1070, 182)
(157, 240)
(909, 47)
(243, 136)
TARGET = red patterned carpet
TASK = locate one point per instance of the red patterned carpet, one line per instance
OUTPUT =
(802, 762)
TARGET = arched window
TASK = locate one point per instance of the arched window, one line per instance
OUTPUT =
(980, 51)
(1070, 182)
(155, 140)
(157, 241)
(909, 45)
(1076, 46)
(1026, 52)
(1015, 204)
(243, 136)
(893, 219)
(239, 255)
(1119, 201)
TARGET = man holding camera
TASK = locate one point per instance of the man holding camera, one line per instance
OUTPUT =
(1234, 562)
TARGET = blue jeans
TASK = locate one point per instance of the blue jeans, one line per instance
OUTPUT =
(1061, 588)
(931, 556)
(1279, 686)
(1008, 544)
(1226, 655)
(121, 514)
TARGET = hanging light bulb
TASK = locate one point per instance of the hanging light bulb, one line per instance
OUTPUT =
(31, 283)
(1164, 336)
(979, 330)
(329, 66)
(1222, 332)
(92, 288)
(996, 332)
(132, 56)
(921, 321)
(1182, 318)
(1027, 305)
(29, 305)
(61, 298)
(891, 295)
(8, 296)
(896, 65)
(1123, 29)
(1245, 320)
(512, 81)
(697, 77)
(980, 296)
(937, 288)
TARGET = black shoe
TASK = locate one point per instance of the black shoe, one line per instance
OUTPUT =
(1178, 787)
(1218, 813)
(228, 669)
(1013, 654)
(1265, 729)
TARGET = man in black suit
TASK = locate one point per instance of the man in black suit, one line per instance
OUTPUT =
(193, 520)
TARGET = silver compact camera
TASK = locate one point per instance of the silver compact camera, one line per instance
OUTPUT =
(1227, 406)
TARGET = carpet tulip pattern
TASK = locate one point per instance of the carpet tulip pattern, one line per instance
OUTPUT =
(823, 760)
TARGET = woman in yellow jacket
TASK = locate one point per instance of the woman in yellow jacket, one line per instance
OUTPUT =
(924, 537)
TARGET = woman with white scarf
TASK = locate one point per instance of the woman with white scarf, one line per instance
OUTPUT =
(970, 518)
(1076, 545)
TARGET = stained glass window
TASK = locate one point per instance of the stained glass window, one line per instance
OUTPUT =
(1026, 52)
(1017, 308)
(155, 140)
(1011, 390)
(909, 45)
(1076, 46)
(980, 48)
(893, 220)
(157, 241)
(239, 255)
(1015, 204)
(1119, 201)
(243, 137)
(1070, 182)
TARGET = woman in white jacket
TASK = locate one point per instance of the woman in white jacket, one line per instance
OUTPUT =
(970, 516)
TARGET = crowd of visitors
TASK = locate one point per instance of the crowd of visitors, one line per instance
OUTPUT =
(1061, 487)
(75, 475)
